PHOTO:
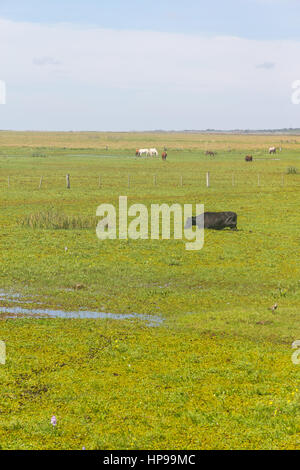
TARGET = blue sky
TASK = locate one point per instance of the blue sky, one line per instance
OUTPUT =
(258, 19)
(141, 64)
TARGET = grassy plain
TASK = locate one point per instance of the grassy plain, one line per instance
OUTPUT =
(217, 374)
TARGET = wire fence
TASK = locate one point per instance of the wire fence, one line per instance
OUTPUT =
(203, 179)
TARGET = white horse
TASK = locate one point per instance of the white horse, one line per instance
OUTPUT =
(272, 150)
(153, 152)
(143, 152)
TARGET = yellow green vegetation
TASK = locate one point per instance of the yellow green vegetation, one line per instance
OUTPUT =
(217, 373)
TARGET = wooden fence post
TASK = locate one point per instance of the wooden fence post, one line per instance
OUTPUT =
(41, 181)
(68, 181)
(8, 182)
(258, 180)
(207, 179)
(181, 180)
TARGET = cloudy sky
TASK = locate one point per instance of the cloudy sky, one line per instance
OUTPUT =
(149, 64)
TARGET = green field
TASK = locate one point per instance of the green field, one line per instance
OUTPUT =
(217, 372)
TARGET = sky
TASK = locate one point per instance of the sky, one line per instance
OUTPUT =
(116, 65)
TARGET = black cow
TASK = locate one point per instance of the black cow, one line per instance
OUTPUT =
(214, 220)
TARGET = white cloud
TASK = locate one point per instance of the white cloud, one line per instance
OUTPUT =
(42, 61)
(106, 79)
(266, 65)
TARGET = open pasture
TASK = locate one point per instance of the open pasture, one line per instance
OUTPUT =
(217, 373)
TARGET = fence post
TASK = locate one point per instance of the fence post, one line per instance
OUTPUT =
(68, 181)
(181, 180)
(128, 181)
(8, 182)
(41, 180)
(207, 179)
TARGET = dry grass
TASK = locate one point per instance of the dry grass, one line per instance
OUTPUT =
(127, 140)
(55, 220)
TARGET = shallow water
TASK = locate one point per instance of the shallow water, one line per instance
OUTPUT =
(13, 311)
(7, 295)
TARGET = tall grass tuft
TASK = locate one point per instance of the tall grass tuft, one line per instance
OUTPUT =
(54, 220)
(292, 170)
(39, 155)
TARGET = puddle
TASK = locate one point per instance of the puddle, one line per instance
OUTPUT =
(6, 295)
(15, 298)
(14, 311)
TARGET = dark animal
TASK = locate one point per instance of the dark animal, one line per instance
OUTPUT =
(248, 158)
(214, 220)
(164, 155)
(208, 152)
(137, 152)
(272, 150)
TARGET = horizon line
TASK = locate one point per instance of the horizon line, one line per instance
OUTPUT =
(164, 131)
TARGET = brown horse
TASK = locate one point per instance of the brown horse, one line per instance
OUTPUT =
(164, 155)
(248, 158)
(208, 152)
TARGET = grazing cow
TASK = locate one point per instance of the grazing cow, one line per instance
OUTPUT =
(214, 220)
(153, 152)
(164, 155)
(143, 152)
(248, 158)
(272, 150)
(208, 152)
